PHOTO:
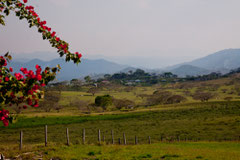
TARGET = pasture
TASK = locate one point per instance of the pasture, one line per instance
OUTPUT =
(187, 130)
(157, 151)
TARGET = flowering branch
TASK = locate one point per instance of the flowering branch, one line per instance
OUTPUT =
(24, 87)
(24, 11)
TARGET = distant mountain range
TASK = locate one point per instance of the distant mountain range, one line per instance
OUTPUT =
(222, 61)
(185, 70)
(225, 59)
(70, 70)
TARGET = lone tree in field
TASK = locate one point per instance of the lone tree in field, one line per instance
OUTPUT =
(51, 100)
(93, 90)
(25, 86)
(103, 101)
(87, 79)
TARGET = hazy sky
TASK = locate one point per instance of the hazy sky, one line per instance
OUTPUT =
(163, 30)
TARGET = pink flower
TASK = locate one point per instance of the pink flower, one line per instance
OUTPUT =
(29, 101)
(5, 122)
(36, 105)
(37, 66)
(79, 55)
(19, 4)
(18, 76)
(12, 95)
(43, 85)
(24, 70)
(6, 79)
(36, 87)
(4, 116)
(30, 92)
(39, 77)
(53, 34)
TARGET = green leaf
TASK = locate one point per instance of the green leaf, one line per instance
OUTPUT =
(44, 37)
(40, 30)
(9, 57)
(61, 53)
(9, 3)
(2, 22)
(6, 11)
(18, 13)
(58, 66)
(54, 70)
(6, 54)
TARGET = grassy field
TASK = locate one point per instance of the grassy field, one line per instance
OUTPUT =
(167, 151)
(212, 121)
(206, 130)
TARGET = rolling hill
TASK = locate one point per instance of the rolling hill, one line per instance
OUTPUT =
(70, 70)
(225, 59)
(190, 70)
(222, 61)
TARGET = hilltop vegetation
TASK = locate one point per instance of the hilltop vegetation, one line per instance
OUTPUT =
(77, 98)
(82, 96)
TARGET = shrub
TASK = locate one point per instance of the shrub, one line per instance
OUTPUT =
(165, 97)
(123, 103)
(175, 99)
(103, 101)
(203, 96)
(158, 97)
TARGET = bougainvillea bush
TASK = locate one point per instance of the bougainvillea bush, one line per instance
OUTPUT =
(24, 86)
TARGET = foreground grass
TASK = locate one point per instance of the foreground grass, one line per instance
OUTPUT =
(179, 151)
(213, 121)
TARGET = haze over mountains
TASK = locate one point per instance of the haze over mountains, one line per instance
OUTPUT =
(222, 61)
(70, 70)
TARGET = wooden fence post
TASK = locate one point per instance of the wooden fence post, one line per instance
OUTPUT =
(103, 137)
(99, 136)
(124, 139)
(149, 140)
(136, 140)
(45, 135)
(21, 140)
(112, 137)
(67, 134)
(83, 136)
